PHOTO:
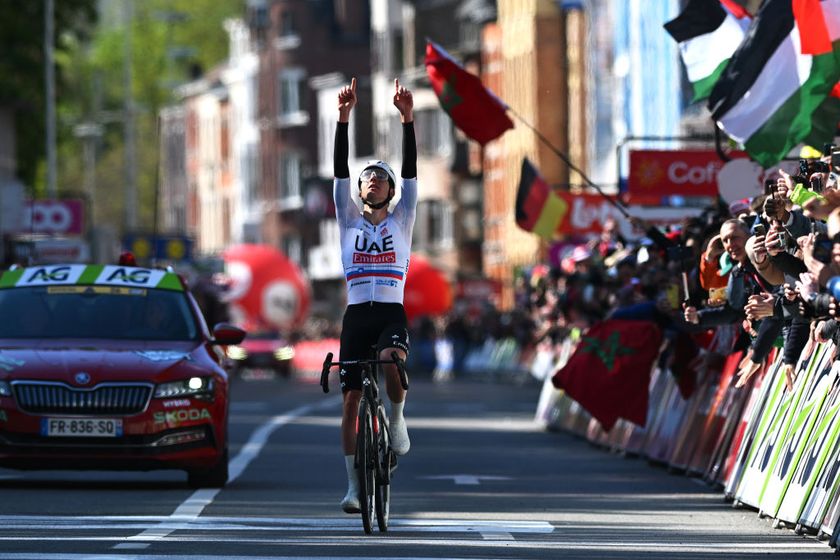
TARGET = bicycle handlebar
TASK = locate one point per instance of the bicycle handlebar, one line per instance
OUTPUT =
(325, 371)
(395, 359)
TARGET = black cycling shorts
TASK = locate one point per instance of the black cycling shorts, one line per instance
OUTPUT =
(365, 325)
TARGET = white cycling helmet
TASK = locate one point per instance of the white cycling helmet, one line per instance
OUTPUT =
(379, 164)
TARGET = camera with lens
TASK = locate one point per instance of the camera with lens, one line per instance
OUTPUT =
(820, 167)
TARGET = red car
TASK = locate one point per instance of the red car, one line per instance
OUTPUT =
(111, 367)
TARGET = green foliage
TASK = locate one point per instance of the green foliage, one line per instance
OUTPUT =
(96, 91)
(22, 68)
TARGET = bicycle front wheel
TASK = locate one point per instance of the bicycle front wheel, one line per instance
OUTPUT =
(383, 462)
(366, 462)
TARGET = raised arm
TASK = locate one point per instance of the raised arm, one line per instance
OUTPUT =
(341, 152)
(404, 102)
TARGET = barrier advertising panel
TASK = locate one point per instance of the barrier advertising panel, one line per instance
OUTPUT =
(771, 431)
(808, 484)
(750, 424)
(814, 391)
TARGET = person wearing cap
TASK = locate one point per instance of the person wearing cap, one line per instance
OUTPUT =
(375, 251)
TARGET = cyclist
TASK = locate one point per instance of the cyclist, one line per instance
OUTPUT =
(375, 250)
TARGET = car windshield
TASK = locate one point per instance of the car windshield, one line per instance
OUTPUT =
(103, 312)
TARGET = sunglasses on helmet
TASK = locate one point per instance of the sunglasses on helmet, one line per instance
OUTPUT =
(379, 174)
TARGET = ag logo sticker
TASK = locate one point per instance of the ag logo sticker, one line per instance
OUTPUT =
(130, 276)
(45, 275)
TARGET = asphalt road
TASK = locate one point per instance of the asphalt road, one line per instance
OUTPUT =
(481, 481)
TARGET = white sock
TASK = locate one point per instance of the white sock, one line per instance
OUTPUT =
(397, 411)
(352, 479)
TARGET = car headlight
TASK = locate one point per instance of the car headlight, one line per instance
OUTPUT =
(5, 389)
(184, 387)
(237, 353)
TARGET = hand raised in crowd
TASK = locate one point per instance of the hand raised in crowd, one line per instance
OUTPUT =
(346, 100)
(690, 314)
(790, 376)
(403, 101)
(820, 209)
(784, 185)
(759, 249)
(714, 249)
(806, 245)
(773, 241)
(746, 371)
(759, 306)
(807, 286)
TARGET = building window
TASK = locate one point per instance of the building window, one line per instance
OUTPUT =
(293, 248)
(290, 84)
(437, 215)
(434, 131)
(290, 179)
(287, 24)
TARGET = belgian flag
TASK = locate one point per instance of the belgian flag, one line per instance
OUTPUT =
(538, 209)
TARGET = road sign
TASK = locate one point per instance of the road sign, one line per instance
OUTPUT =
(161, 247)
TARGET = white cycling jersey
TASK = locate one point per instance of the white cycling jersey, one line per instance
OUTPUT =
(375, 257)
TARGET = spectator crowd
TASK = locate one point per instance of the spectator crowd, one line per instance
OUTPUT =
(748, 276)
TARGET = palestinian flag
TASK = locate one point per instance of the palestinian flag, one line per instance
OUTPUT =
(779, 89)
(538, 209)
(708, 32)
(473, 108)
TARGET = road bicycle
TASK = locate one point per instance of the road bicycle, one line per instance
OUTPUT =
(374, 459)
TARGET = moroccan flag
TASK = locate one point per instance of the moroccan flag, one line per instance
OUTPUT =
(538, 209)
(472, 107)
(708, 32)
(779, 88)
(609, 373)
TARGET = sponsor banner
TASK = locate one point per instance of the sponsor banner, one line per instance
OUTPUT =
(772, 428)
(686, 173)
(733, 467)
(310, 354)
(55, 217)
(712, 427)
(750, 423)
(812, 390)
(660, 445)
(816, 475)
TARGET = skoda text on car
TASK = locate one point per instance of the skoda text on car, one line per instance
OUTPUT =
(111, 367)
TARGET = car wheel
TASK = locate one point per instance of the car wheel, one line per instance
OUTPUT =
(213, 477)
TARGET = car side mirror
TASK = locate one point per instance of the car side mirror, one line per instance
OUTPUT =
(226, 334)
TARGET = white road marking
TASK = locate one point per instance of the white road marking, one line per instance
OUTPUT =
(23, 523)
(705, 549)
(465, 479)
(192, 507)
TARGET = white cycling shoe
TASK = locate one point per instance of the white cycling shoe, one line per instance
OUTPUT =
(399, 437)
(350, 503)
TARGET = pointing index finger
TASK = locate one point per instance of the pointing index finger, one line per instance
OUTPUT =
(353, 84)
(397, 84)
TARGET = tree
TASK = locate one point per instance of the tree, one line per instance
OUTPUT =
(22, 69)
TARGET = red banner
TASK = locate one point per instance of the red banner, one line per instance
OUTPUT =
(674, 172)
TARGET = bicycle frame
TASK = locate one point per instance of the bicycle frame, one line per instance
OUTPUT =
(374, 458)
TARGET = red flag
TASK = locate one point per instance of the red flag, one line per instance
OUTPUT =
(474, 109)
(538, 209)
(609, 373)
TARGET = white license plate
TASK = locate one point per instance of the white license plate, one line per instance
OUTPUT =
(81, 427)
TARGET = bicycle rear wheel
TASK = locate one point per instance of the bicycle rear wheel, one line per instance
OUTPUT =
(383, 472)
(366, 460)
